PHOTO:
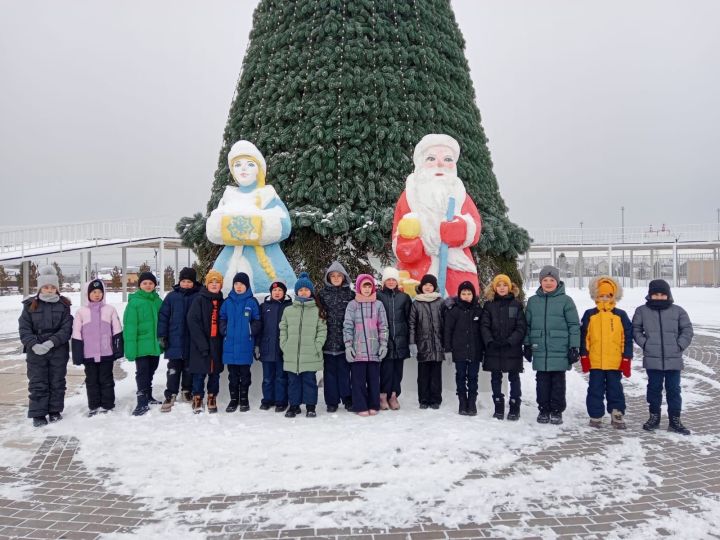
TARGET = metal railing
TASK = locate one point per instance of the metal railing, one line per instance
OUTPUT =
(615, 236)
(67, 235)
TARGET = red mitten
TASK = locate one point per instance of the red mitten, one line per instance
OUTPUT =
(625, 367)
(453, 232)
(585, 363)
(409, 250)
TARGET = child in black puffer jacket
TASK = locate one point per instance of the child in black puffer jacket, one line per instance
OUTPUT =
(463, 346)
(503, 327)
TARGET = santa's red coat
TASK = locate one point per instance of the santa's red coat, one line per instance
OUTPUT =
(411, 253)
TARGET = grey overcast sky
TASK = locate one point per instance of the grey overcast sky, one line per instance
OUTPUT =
(116, 109)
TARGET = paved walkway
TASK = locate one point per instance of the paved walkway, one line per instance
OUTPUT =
(66, 501)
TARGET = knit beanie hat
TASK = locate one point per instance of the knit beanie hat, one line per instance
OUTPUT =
(276, 284)
(95, 285)
(48, 276)
(467, 286)
(549, 271)
(427, 278)
(303, 282)
(213, 275)
(147, 276)
(362, 278)
(501, 278)
(390, 273)
(656, 286)
(242, 277)
(188, 273)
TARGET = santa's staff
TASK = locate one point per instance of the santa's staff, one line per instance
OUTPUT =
(442, 264)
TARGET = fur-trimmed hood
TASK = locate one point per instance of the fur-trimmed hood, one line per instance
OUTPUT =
(490, 292)
(595, 284)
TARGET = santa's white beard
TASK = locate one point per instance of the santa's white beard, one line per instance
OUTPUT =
(427, 197)
(433, 192)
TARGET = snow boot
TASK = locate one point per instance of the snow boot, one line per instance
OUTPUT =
(310, 411)
(265, 406)
(424, 405)
(543, 418)
(373, 412)
(187, 396)
(652, 423)
(596, 423)
(93, 412)
(197, 404)
(39, 421)
(212, 404)
(514, 412)
(153, 401)
(462, 404)
(435, 406)
(499, 408)
(280, 408)
(244, 405)
(232, 406)
(616, 420)
(168, 403)
(142, 404)
(54, 417)
(293, 411)
(472, 405)
(393, 402)
(674, 425)
(384, 406)
(348, 405)
(556, 418)
(332, 408)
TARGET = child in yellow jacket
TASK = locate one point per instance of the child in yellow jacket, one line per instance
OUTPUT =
(605, 351)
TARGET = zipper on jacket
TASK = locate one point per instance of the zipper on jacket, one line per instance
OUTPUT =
(362, 316)
(545, 333)
(392, 305)
(662, 339)
(302, 312)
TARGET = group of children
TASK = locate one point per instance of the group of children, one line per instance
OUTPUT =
(359, 339)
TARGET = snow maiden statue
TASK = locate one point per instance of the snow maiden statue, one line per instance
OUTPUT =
(250, 221)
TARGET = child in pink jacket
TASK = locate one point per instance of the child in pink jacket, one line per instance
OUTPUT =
(97, 341)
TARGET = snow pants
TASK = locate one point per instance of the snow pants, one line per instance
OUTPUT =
(145, 367)
(671, 377)
(177, 376)
(46, 382)
(605, 384)
(429, 383)
(100, 385)
(239, 381)
(366, 386)
(336, 379)
(274, 384)
(302, 388)
(391, 374)
(550, 391)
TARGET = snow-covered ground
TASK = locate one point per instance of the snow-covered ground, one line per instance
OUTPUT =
(412, 458)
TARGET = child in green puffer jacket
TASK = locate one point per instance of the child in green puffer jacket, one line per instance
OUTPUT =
(142, 346)
(552, 342)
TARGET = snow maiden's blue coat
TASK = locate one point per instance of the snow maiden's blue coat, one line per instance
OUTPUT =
(239, 324)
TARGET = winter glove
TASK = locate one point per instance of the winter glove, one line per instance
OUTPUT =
(413, 350)
(382, 351)
(257, 353)
(349, 353)
(162, 340)
(528, 352)
(625, 367)
(453, 232)
(448, 356)
(40, 348)
(573, 354)
(585, 363)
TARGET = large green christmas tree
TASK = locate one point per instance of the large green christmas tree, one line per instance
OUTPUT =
(336, 93)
